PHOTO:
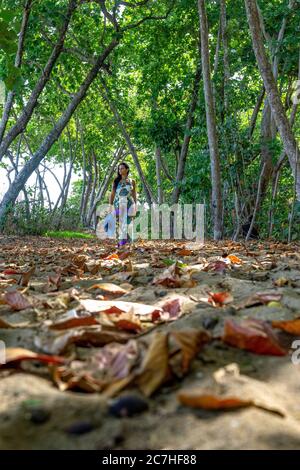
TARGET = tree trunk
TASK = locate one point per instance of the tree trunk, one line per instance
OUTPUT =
(13, 191)
(26, 114)
(187, 137)
(160, 193)
(148, 193)
(18, 61)
(211, 125)
(275, 102)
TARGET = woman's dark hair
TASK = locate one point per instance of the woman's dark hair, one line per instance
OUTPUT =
(119, 176)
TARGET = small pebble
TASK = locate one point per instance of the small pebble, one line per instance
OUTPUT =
(128, 406)
(38, 415)
(79, 427)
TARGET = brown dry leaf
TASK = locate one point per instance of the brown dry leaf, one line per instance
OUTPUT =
(73, 319)
(109, 289)
(184, 252)
(66, 379)
(260, 298)
(190, 341)
(16, 300)
(55, 280)
(129, 322)
(25, 277)
(218, 299)
(57, 343)
(175, 276)
(171, 309)
(289, 326)
(216, 266)
(108, 369)
(155, 366)
(253, 335)
(13, 355)
(227, 389)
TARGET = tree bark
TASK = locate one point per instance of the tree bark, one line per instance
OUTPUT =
(273, 95)
(148, 193)
(18, 61)
(13, 191)
(26, 114)
(211, 125)
(187, 137)
(160, 193)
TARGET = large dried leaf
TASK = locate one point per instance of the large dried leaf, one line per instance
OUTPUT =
(155, 366)
(227, 389)
(190, 342)
(253, 335)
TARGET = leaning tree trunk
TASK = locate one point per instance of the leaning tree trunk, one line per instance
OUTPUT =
(18, 61)
(27, 112)
(148, 193)
(13, 191)
(211, 125)
(273, 95)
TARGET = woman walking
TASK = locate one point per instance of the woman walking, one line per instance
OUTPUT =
(123, 202)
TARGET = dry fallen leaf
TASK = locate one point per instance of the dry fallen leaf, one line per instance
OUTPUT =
(253, 335)
(218, 299)
(289, 326)
(118, 306)
(227, 389)
(14, 355)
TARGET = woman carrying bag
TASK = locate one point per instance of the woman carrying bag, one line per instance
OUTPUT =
(123, 203)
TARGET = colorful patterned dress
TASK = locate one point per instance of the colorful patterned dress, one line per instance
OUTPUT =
(123, 204)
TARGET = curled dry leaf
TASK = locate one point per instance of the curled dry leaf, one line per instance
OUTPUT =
(190, 342)
(169, 354)
(253, 335)
(155, 367)
(184, 252)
